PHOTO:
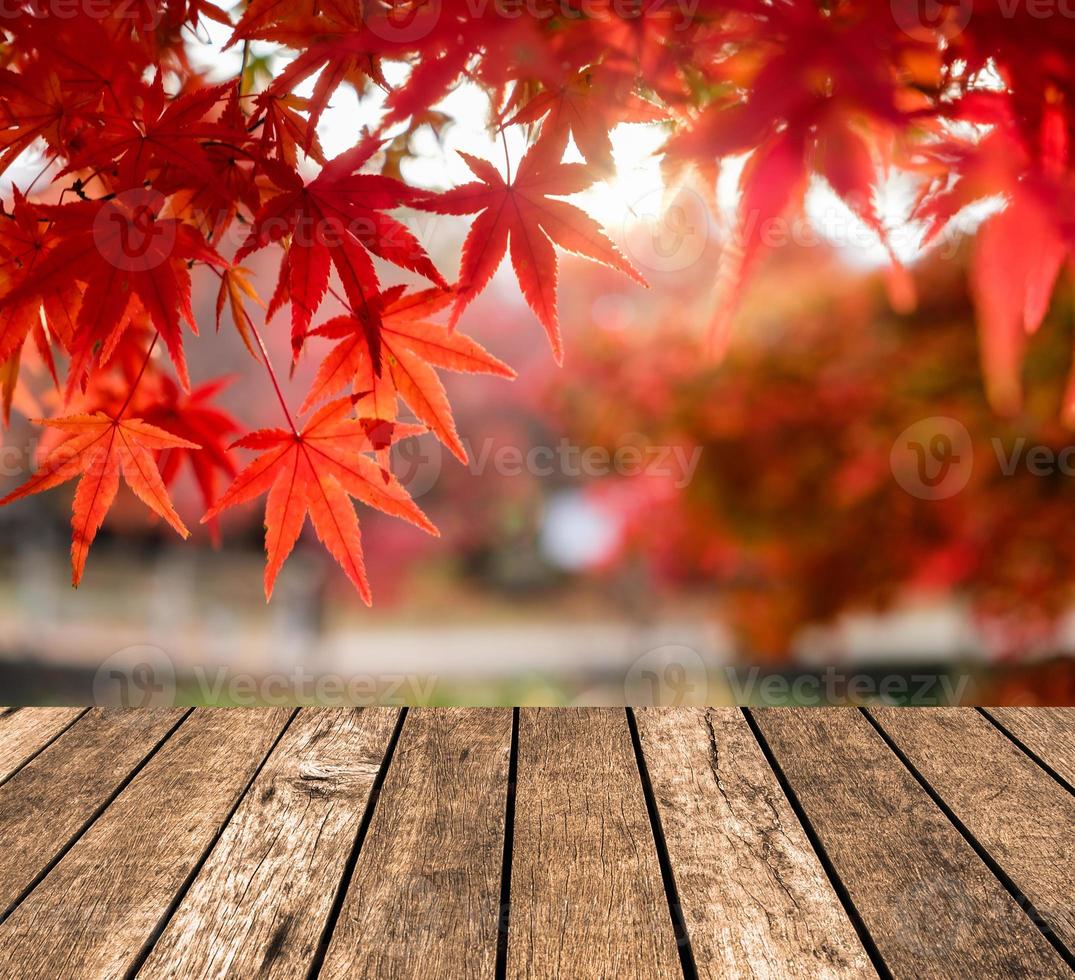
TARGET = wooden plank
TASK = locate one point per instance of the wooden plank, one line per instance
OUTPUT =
(95, 911)
(1019, 814)
(1048, 732)
(930, 904)
(47, 804)
(425, 896)
(755, 899)
(26, 731)
(259, 905)
(587, 898)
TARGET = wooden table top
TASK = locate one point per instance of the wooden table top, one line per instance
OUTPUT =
(454, 842)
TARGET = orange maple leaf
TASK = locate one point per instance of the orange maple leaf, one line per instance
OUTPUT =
(98, 448)
(524, 212)
(316, 472)
(411, 347)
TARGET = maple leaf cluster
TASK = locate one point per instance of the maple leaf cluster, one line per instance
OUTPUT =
(151, 172)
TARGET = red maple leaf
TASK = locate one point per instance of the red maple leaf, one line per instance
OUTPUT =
(22, 245)
(35, 104)
(98, 448)
(348, 57)
(587, 108)
(317, 472)
(130, 257)
(163, 133)
(193, 416)
(284, 130)
(410, 348)
(524, 211)
(337, 218)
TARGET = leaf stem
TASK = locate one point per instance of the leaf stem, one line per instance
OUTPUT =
(138, 379)
(242, 66)
(272, 375)
(507, 159)
(268, 364)
(343, 302)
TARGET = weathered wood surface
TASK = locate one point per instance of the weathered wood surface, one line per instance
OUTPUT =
(754, 896)
(990, 786)
(668, 842)
(1047, 732)
(585, 882)
(260, 903)
(930, 904)
(100, 906)
(26, 731)
(424, 900)
(46, 805)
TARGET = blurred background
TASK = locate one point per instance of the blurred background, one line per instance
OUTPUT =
(829, 514)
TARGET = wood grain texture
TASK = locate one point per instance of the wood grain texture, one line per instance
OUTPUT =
(587, 899)
(260, 903)
(1022, 817)
(93, 913)
(931, 905)
(1048, 732)
(755, 898)
(424, 900)
(25, 731)
(49, 801)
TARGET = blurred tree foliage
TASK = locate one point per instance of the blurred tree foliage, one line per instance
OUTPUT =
(795, 514)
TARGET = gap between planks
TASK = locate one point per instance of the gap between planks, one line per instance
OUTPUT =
(1037, 919)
